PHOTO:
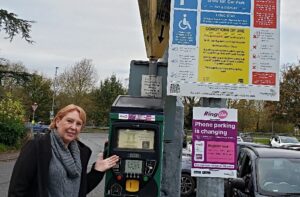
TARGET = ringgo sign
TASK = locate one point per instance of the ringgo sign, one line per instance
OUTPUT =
(214, 142)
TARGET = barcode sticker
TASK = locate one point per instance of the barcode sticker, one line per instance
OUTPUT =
(174, 88)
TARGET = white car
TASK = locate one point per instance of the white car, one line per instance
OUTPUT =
(239, 139)
(279, 141)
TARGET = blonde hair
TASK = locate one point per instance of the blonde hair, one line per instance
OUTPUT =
(69, 108)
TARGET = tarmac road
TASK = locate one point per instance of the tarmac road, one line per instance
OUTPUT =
(94, 140)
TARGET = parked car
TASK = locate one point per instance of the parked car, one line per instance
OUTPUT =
(241, 145)
(37, 128)
(266, 171)
(40, 128)
(188, 183)
(280, 140)
(246, 137)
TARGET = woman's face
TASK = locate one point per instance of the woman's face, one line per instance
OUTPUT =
(69, 126)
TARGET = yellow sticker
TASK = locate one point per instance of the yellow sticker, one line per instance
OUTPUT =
(224, 55)
(132, 185)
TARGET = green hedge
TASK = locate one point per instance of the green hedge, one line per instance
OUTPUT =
(11, 132)
(12, 127)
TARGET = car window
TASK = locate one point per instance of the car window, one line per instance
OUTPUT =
(279, 175)
(285, 139)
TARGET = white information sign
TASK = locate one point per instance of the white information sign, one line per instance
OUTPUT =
(151, 86)
(224, 49)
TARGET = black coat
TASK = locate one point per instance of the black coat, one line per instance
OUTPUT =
(31, 171)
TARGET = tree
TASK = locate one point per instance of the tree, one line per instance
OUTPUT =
(13, 74)
(251, 114)
(288, 108)
(189, 102)
(13, 25)
(28, 87)
(75, 83)
(103, 98)
(38, 90)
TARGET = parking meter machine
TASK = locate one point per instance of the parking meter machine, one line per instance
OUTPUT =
(135, 135)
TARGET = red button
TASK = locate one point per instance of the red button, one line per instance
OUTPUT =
(119, 177)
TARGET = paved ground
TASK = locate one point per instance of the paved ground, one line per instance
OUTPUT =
(9, 156)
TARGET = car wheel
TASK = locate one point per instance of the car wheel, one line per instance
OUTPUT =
(187, 184)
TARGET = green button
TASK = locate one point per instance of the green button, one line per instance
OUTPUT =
(145, 178)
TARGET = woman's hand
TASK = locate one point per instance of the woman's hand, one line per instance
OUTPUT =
(104, 164)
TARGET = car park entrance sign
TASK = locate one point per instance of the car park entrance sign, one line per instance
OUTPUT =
(214, 142)
(224, 49)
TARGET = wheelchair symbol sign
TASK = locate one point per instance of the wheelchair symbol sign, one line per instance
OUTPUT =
(184, 23)
(184, 27)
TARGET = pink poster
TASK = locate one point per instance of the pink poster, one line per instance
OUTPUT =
(214, 142)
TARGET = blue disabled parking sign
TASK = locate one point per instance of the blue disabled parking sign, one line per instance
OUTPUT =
(184, 27)
(187, 4)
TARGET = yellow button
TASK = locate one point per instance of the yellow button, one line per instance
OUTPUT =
(132, 185)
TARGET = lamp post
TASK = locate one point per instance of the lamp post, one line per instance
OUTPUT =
(54, 94)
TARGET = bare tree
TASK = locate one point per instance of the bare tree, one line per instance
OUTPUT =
(189, 103)
(76, 82)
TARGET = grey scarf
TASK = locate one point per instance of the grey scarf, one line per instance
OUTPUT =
(65, 168)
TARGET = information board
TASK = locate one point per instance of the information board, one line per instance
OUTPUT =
(224, 49)
(214, 142)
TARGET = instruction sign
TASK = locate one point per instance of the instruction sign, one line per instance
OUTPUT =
(214, 142)
(151, 86)
(224, 49)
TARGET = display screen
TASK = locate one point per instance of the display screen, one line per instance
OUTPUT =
(133, 166)
(136, 139)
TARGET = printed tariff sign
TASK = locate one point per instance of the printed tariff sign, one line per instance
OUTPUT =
(214, 142)
(224, 49)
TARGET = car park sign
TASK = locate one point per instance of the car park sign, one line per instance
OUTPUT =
(224, 49)
(214, 142)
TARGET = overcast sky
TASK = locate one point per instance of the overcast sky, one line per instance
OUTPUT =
(107, 31)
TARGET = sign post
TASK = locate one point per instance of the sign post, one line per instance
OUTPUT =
(34, 107)
(223, 49)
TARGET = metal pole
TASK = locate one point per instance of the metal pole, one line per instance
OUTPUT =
(33, 121)
(34, 107)
(272, 127)
(152, 66)
(212, 187)
(54, 94)
(173, 132)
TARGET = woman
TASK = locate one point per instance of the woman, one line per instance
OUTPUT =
(55, 164)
